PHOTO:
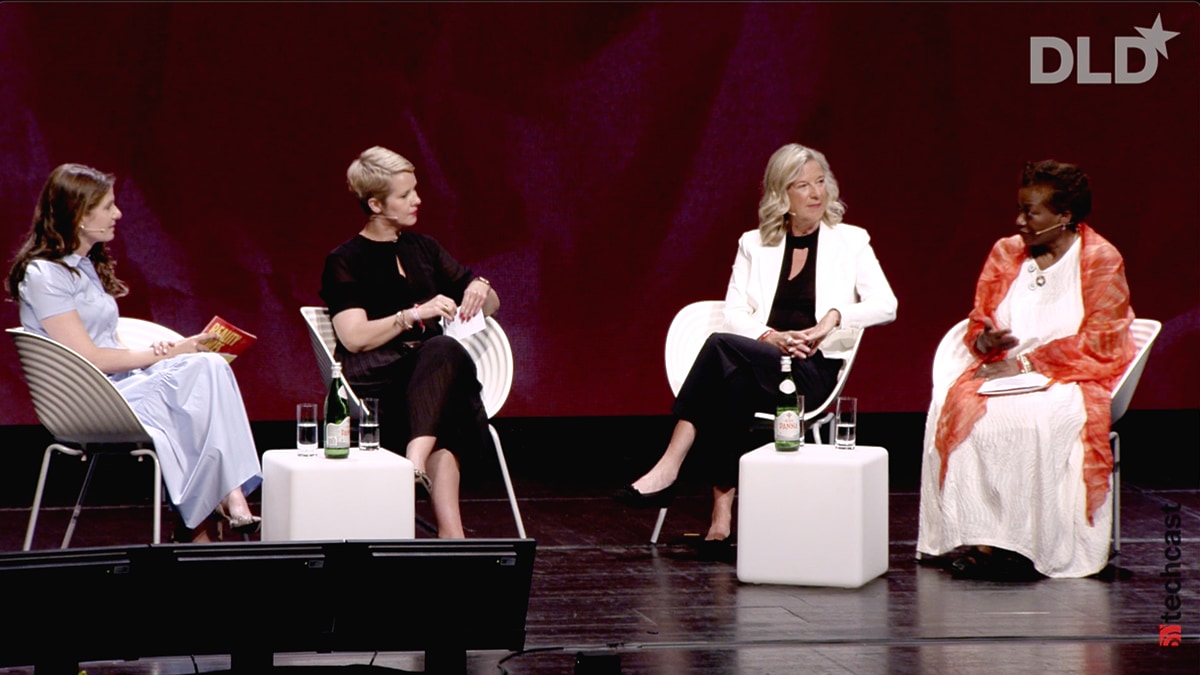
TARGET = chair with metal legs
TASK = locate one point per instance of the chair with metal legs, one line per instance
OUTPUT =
(85, 413)
(493, 358)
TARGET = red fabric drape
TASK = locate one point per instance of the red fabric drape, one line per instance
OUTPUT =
(1094, 357)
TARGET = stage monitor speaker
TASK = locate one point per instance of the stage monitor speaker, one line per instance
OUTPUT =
(423, 594)
(62, 604)
(444, 597)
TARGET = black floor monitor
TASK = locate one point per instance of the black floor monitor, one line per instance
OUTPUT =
(444, 597)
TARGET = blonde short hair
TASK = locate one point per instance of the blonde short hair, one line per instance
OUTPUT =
(782, 169)
(370, 175)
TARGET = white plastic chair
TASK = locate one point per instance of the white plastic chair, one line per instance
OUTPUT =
(685, 337)
(1145, 331)
(490, 350)
(952, 349)
(85, 413)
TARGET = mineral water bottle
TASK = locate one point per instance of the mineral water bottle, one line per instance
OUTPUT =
(789, 419)
(337, 417)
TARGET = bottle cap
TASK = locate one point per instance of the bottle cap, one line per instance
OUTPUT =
(785, 362)
(336, 370)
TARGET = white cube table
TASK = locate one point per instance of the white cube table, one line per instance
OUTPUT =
(368, 495)
(814, 517)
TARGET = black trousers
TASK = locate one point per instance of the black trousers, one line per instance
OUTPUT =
(732, 378)
(431, 390)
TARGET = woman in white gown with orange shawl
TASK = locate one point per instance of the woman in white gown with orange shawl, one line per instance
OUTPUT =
(1024, 479)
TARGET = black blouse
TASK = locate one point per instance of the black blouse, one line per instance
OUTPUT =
(795, 306)
(362, 273)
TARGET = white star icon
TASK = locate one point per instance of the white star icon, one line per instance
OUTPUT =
(1157, 36)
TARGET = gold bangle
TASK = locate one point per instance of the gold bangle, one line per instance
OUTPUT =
(1026, 366)
(483, 280)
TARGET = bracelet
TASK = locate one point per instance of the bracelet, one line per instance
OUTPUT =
(764, 335)
(402, 322)
(483, 280)
(417, 317)
(1025, 365)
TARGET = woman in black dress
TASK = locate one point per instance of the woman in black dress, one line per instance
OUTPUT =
(386, 290)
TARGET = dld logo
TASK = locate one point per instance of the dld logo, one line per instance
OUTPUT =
(1152, 43)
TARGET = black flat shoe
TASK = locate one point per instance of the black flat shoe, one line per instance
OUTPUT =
(630, 497)
(996, 566)
(971, 566)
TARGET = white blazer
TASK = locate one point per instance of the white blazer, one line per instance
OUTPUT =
(848, 279)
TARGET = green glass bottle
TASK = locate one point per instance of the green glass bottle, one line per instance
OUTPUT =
(789, 414)
(337, 417)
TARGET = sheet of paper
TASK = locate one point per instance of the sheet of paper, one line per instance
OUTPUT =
(1015, 384)
(459, 329)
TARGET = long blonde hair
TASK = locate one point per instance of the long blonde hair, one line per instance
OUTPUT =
(782, 169)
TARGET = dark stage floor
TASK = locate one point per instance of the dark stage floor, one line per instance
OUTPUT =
(601, 591)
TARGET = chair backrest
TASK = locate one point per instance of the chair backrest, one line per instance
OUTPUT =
(74, 400)
(695, 322)
(489, 348)
(324, 343)
(843, 375)
(689, 329)
(1144, 333)
(140, 334)
(493, 357)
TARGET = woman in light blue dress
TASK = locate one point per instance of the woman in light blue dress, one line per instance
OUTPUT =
(185, 396)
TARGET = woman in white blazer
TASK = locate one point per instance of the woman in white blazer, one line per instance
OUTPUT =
(801, 282)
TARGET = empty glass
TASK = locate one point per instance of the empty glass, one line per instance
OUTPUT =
(306, 429)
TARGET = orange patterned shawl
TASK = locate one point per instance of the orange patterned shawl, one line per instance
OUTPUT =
(1094, 358)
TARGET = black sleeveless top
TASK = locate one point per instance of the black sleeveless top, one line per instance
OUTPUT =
(795, 307)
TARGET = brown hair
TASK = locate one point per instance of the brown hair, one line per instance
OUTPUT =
(70, 192)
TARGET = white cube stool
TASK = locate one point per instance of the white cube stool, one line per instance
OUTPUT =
(814, 517)
(368, 495)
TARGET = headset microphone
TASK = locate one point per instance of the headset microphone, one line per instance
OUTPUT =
(1038, 233)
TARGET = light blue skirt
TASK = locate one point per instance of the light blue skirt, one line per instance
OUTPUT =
(193, 409)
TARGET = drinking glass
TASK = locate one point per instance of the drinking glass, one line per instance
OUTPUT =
(845, 422)
(306, 429)
(368, 424)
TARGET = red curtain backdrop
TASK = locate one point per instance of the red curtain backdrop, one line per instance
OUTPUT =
(596, 162)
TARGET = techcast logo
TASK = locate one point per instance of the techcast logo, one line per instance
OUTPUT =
(1152, 43)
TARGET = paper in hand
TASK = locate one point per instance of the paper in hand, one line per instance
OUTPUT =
(459, 329)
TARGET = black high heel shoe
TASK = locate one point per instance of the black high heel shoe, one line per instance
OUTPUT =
(629, 496)
(717, 550)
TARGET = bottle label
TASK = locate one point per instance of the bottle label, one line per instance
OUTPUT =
(338, 435)
(787, 425)
(787, 386)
